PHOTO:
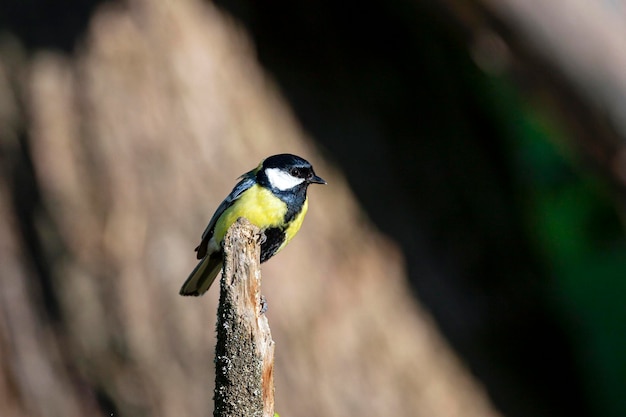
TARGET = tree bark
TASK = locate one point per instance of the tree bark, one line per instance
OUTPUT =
(244, 363)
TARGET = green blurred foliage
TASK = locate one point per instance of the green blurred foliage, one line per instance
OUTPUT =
(576, 230)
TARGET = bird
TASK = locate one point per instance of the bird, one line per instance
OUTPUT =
(273, 197)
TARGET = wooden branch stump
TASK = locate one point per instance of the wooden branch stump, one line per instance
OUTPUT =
(244, 364)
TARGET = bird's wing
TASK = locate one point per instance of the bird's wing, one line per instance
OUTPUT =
(247, 181)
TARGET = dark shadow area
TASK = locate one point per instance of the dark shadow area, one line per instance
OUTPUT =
(47, 24)
(389, 91)
(29, 207)
(16, 166)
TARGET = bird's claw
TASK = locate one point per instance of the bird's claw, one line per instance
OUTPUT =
(261, 238)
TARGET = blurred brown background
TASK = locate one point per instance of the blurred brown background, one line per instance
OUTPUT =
(466, 259)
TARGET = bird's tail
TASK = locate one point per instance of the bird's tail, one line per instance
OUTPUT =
(203, 275)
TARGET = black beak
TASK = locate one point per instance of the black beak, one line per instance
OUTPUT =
(316, 180)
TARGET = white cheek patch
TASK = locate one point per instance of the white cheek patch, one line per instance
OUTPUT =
(282, 180)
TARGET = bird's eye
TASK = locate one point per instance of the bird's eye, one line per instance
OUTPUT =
(295, 172)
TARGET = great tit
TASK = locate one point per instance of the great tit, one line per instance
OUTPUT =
(272, 197)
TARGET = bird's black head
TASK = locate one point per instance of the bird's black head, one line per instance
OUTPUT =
(285, 172)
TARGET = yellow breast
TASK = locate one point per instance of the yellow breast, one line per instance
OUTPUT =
(259, 206)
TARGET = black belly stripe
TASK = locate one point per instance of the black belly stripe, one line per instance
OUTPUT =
(294, 198)
(274, 237)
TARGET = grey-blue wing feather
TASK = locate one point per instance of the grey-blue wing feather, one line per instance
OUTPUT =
(247, 181)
